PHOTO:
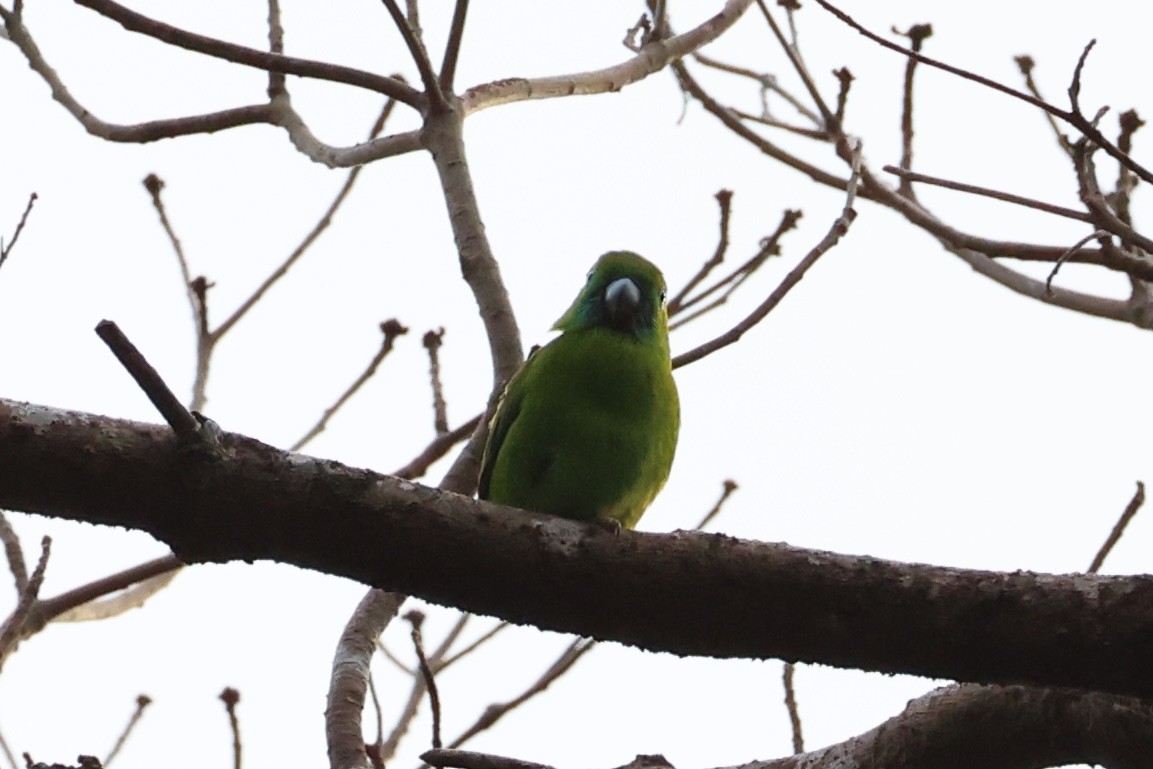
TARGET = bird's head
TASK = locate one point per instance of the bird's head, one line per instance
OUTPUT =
(624, 293)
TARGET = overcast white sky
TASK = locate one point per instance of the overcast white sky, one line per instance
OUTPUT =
(896, 404)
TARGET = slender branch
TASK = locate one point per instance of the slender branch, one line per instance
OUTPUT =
(1118, 528)
(418, 53)
(495, 712)
(182, 423)
(437, 448)
(1075, 118)
(838, 229)
(231, 698)
(276, 85)
(432, 342)
(142, 702)
(415, 618)
(1095, 235)
(391, 329)
(727, 489)
(791, 706)
(251, 57)
(1008, 197)
(66, 606)
(725, 203)
(11, 632)
(452, 48)
(6, 248)
(916, 35)
(652, 58)
(14, 553)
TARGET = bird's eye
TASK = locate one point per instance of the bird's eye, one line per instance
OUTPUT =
(662, 296)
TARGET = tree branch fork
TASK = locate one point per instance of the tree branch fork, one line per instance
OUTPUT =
(660, 592)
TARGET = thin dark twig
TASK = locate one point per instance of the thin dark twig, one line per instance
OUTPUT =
(1118, 528)
(155, 185)
(1130, 123)
(322, 224)
(375, 751)
(845, 82)
(7, 249)
(142, 702)
(276, 87)
(395, 660)
(452, 48)
(838, 229)
(1075, 119)
(12, 630)
(727, 490)
(391, 329)
(791, 706)
(725, 203)
(230, 697)
(418, 53)
(416, 619)
(1025, 64)
(15, 554)
(8, 755)
(1075, 86)
(493, 713)
(1008, 197)
(808, 133)
(1066, 256)
(251, 57)
(437, 448)
(48, 609)
(483, 639)
(432, 342)
(769, 247)
(178, 418)
(917, 35)
(767, 82)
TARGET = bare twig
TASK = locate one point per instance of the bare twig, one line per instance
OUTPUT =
(727, 489)
(251, 57)
(321, 225)
(1074, 118)
(437, 448)
(769, 247)
(375, 749)
(178, 418)
(418, 53)
(791, 706)
(391, 329)
(725, 204)
(838, 229)
(416, 618)
(1026, 64)
(142, 702)
(1065, 257)
(452, 48)
(4, 748)
(12, 630)
(480, 641)
(916, 35)
(768, 84)
(6, 249)
(432, 342)
(276, 87)
(80, 604)
(15, 554)
(1008, 197)
(231, 697)
(493, 713)
(1118, 528)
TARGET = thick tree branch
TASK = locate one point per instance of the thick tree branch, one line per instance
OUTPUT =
(664, 592)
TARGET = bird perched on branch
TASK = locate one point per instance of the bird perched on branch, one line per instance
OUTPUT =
(588, 427)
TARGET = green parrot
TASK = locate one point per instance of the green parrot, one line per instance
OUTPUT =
(588, 427)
